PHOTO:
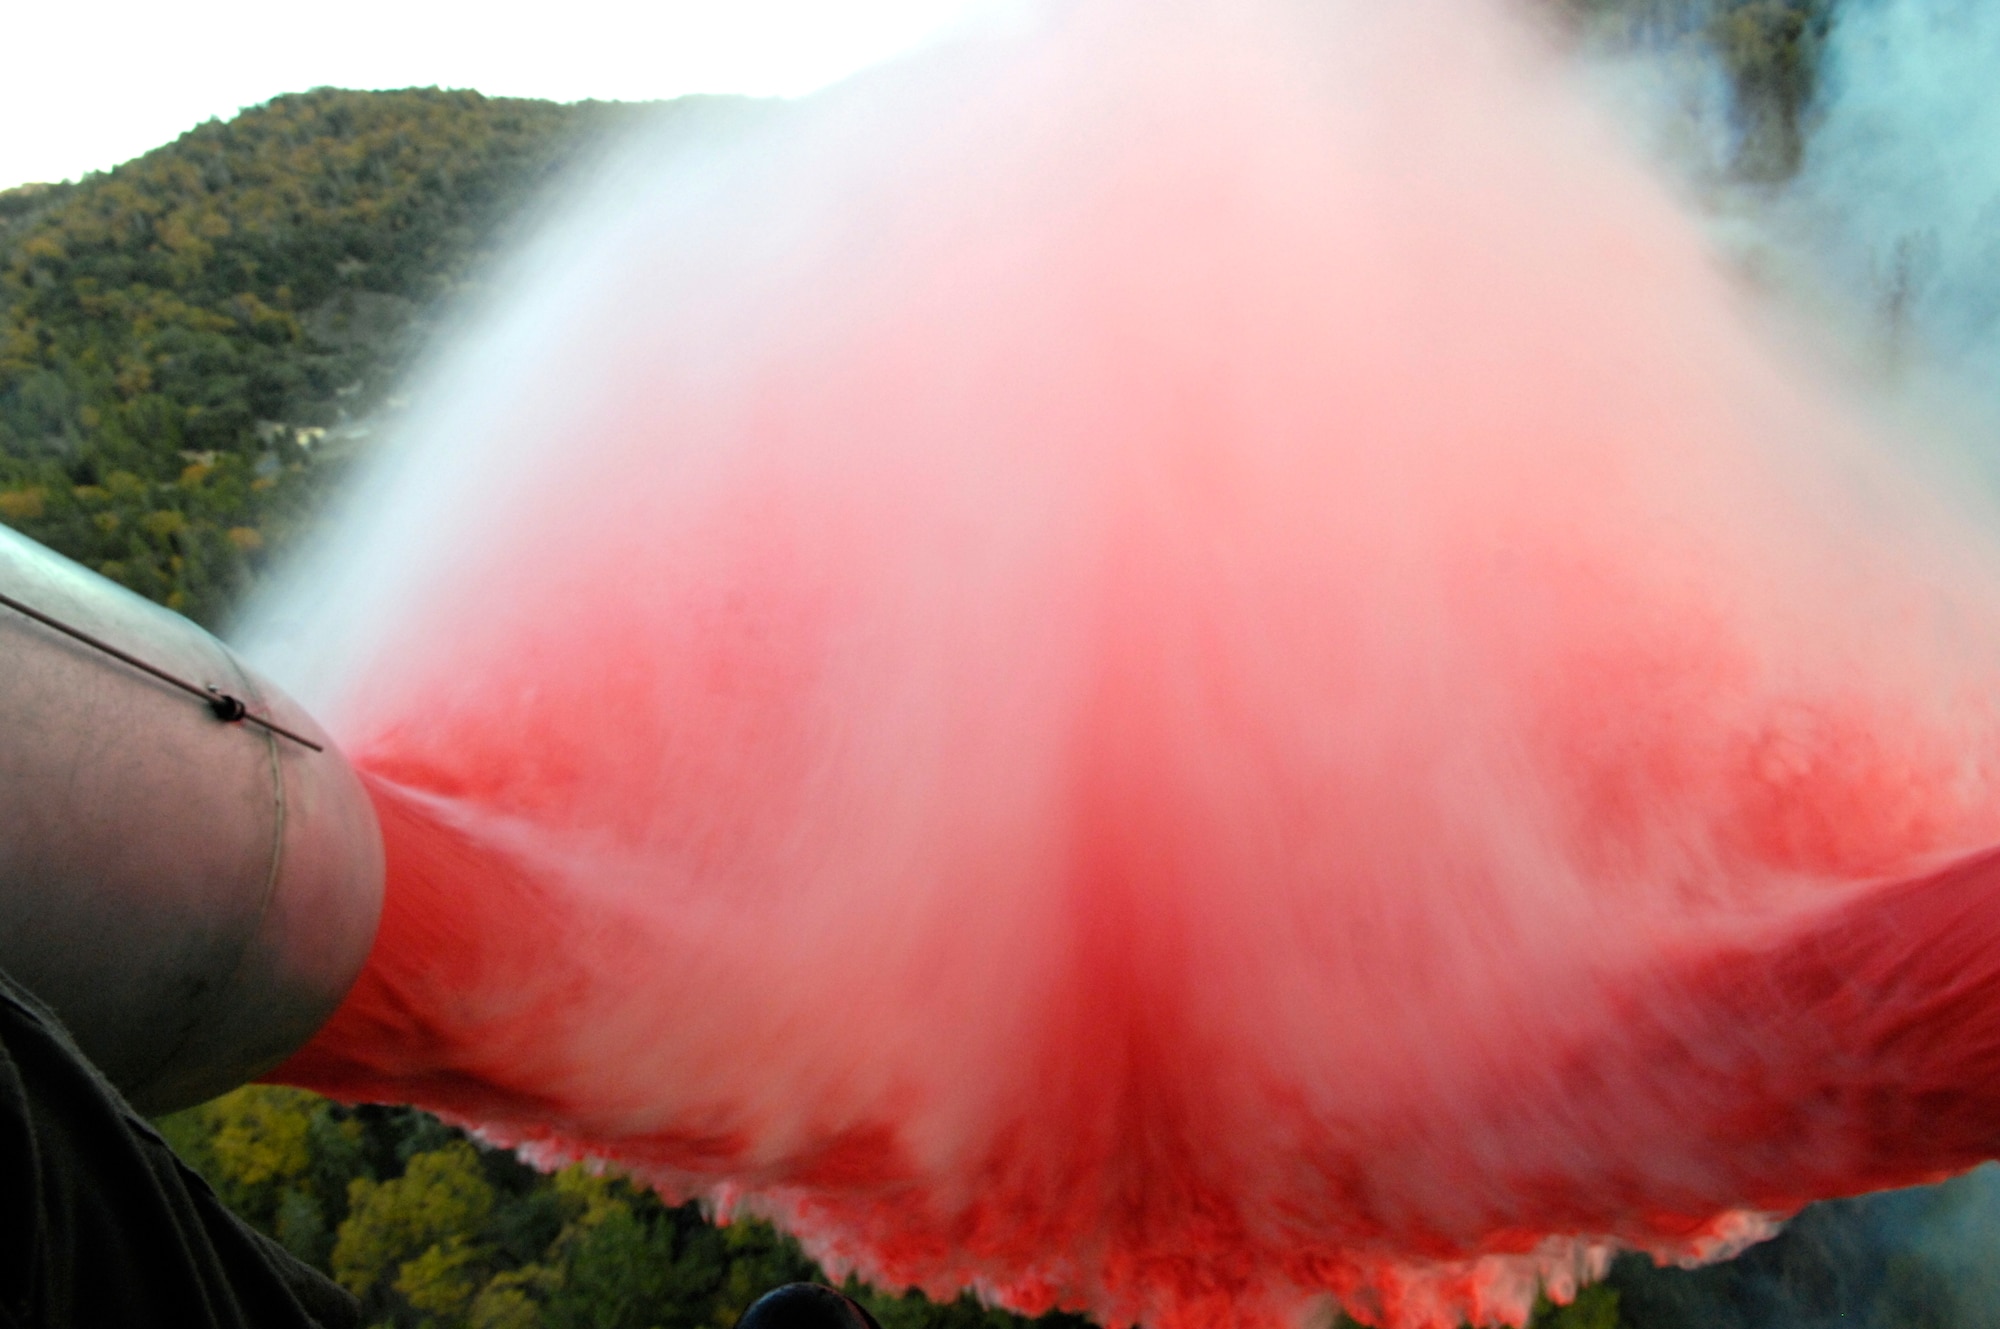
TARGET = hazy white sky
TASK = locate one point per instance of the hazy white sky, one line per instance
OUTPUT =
(90, 85)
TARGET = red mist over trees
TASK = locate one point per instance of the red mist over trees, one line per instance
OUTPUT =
(1182, 665)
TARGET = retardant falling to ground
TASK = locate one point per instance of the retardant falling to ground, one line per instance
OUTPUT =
(1187, 664)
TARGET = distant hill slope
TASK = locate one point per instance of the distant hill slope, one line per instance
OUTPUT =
(175, 332)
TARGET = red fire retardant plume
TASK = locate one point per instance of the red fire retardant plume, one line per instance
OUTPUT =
(1181, 665)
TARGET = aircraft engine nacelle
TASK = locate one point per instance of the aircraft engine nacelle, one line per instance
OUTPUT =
(190, 873)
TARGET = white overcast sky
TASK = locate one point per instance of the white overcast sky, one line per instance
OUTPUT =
(89, 85)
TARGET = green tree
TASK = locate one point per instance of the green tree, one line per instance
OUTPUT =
(1595, 1307)
(418, 1236)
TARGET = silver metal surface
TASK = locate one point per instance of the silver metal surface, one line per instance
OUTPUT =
(193, 897)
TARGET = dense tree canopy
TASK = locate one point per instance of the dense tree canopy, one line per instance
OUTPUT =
(187, 339)
(430, 1229)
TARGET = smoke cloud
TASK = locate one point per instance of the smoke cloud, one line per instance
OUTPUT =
(1900, 194)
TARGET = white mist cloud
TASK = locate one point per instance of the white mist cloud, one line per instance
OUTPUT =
(1901, 187)
(89, 86)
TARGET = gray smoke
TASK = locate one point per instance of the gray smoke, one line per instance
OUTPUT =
(1899, 198)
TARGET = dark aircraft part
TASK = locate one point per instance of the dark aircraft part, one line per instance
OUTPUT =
(190, 873)
(805, 1306)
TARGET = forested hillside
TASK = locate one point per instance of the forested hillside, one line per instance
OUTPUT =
(189, 341)
(193, 347)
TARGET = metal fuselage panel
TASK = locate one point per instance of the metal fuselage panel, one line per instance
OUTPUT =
(193, 897)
